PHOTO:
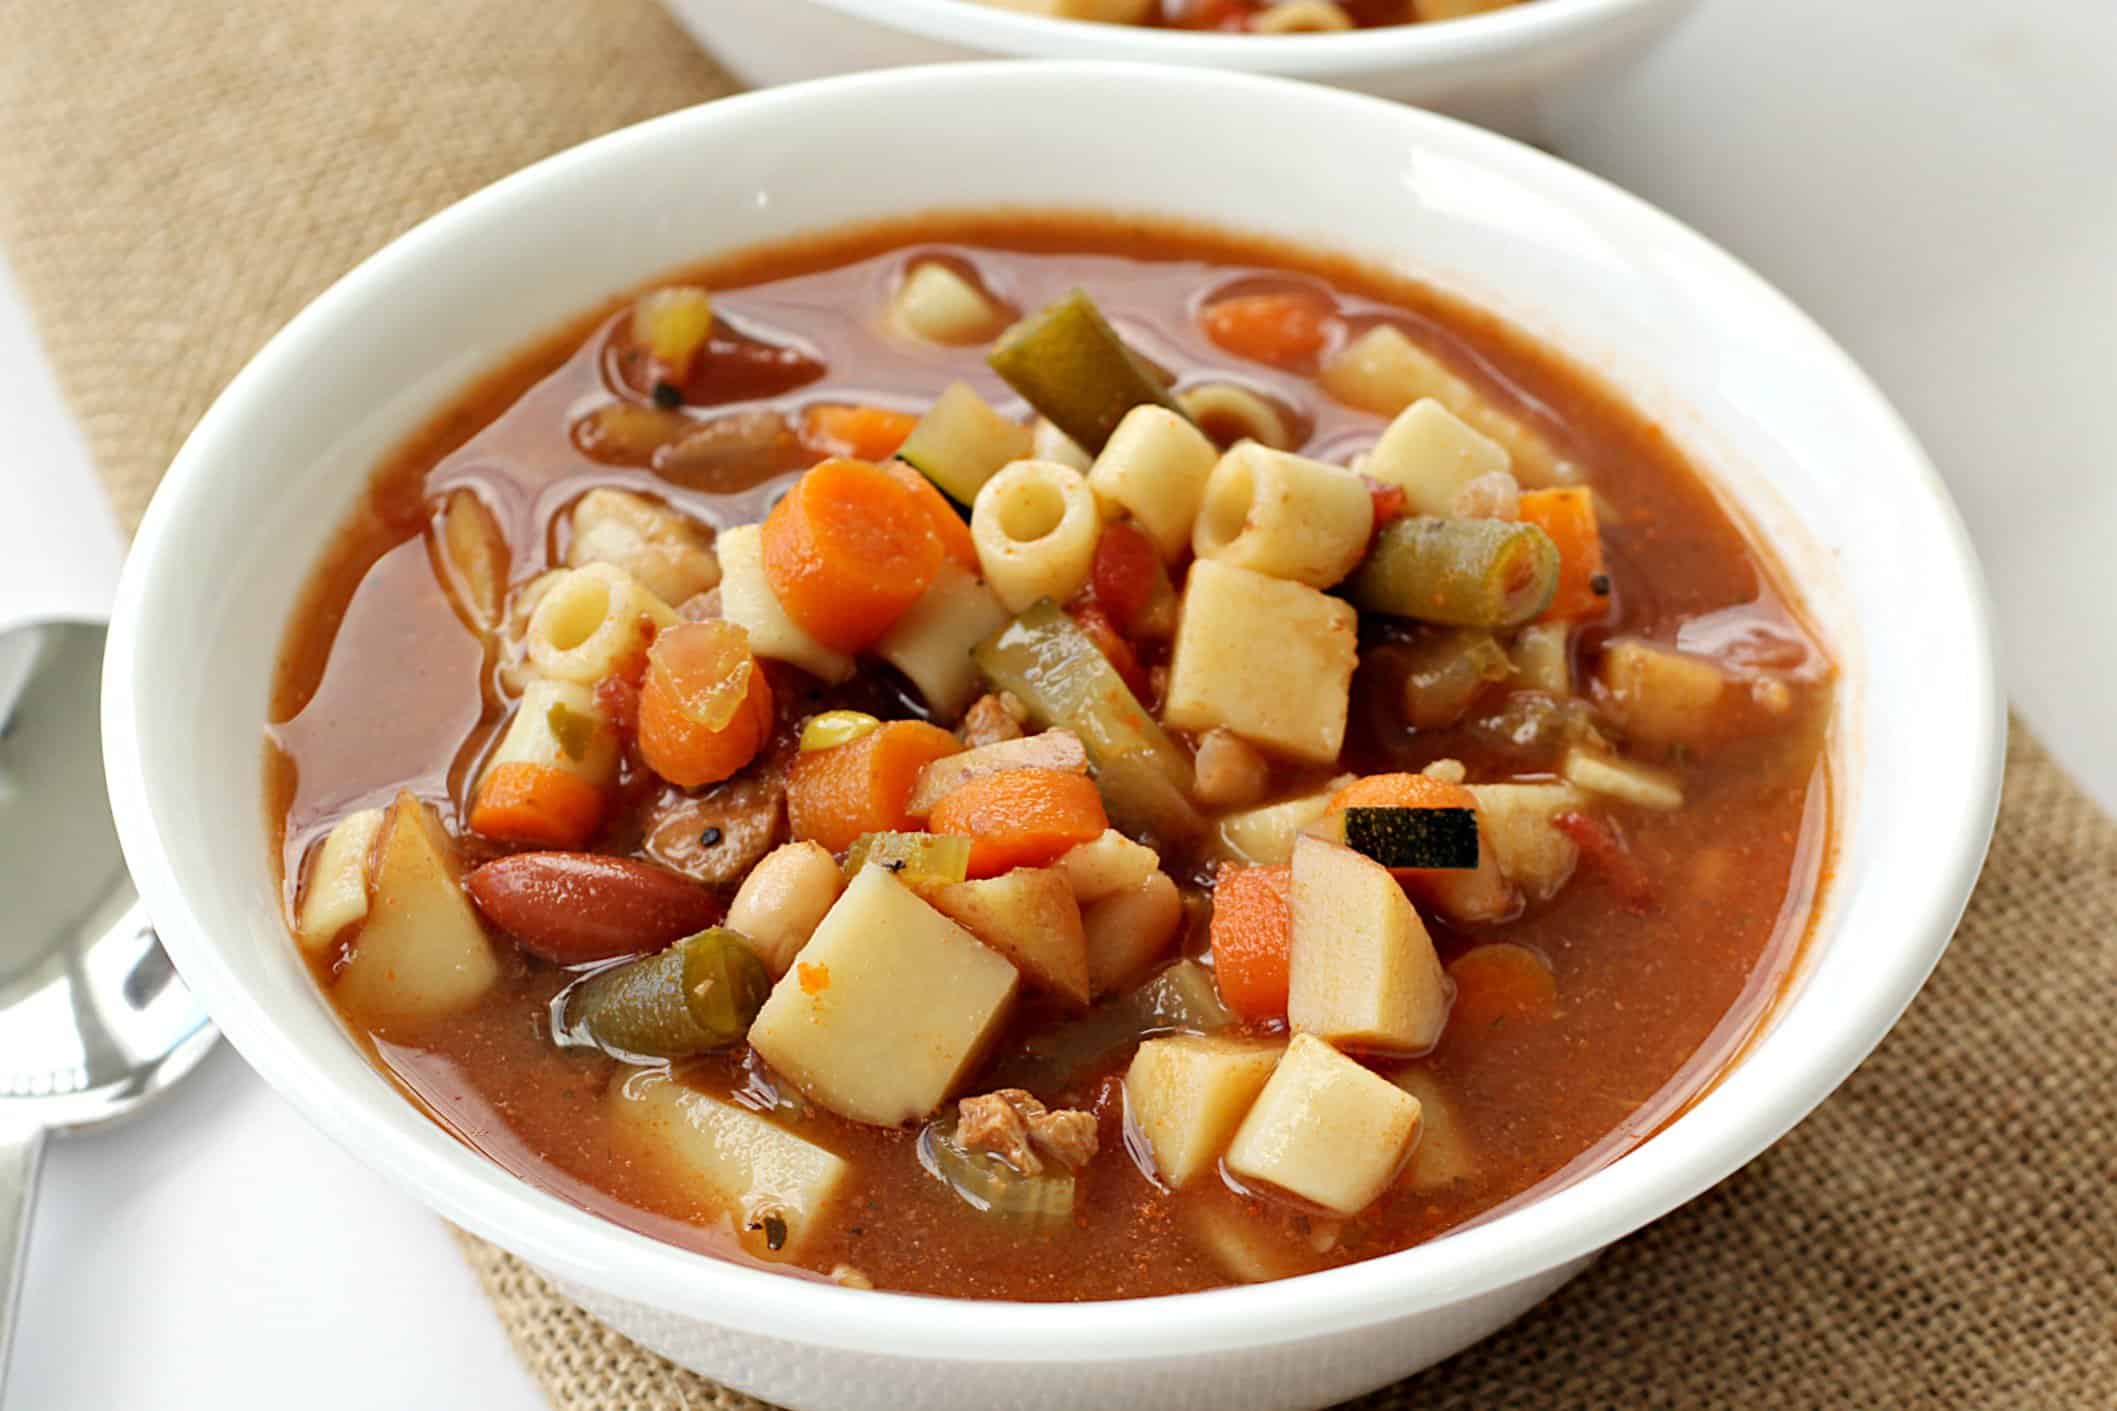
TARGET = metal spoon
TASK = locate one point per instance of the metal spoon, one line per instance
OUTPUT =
(93, 1019)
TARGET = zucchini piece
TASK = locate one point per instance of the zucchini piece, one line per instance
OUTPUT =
(1070, 364)
(1462, 572)
(698, 995)
(989, 1185)
(961, 443)
(918, 859)
(1414, 837)
(1054, 668)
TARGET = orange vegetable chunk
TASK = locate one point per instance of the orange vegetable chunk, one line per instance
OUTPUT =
(705, 708)
(1253, 933)
(847, 550)
(948, 526)
(1500, 983)
(862, 433)
(1568, 516)
(1282, 329)
(863, 786)
(1021, 817)
(537, 804)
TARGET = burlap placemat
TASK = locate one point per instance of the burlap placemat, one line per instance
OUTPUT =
(177, 179)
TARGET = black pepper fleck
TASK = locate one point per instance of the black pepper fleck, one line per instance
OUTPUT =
(710, 838)
(1600, 585)
(668, 396)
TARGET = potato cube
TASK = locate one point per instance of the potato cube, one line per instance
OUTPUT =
(337, 891)
(1444, 1155)
(1187, 1095)
(1030, 916)
(1110, 864)
(1433, 453)
(1264, 836)
(1128, 931)
(774, 1186)
(886, 1008)
(422, 953)
(1325, 1129)
(1515, 822)
(1362, 972)
(1268, 659)
(1660, 695)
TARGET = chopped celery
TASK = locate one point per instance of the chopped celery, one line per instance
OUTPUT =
(1070, 364)
(918, 859)
(1180, 997)
(1462, 572)
(1184, 996)
(1057, 671)
(1446, 672)
(698, 995)
(961, 443)
(988, 1184)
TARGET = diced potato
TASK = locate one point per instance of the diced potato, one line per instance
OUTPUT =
(1444, 1154)
(473, 560)
(886, 1008)
(774, 1186)
(336, 894)
(1432, 454)
(1625, 779)
(1228, 772)
(1362, 971)
(931, 643)
(1264, 837)
(1543, 658)
(1052, 749)
(1128, 931)
(1112, 863)
(746, 599)
(1384, 372)
(1247, 1249)
(1660, 695)
(1030, 916)
(1325, 1129)
(1188, 1093)
(1516, 824)
(668, 554)
(1268, 659)
(422, 953)
(937, 304)
(785, 897)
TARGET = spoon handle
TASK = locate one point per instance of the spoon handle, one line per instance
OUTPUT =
(21, 1152)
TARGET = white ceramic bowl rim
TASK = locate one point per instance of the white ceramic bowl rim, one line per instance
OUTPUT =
(1776, 1084)
(1444, 44)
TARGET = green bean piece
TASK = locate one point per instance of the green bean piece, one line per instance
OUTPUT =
(1446, 672)
(1057, 671)
(698, 995)
(989, 1185)
(1460, 572)
(1071, 365)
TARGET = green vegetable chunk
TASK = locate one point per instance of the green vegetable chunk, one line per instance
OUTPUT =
(961, 443)
(1461, 572)
(698, 995)
(1071, 365)
(1447, 672)
(988, 1184)
(1054, 668)
(918, 859)
(1414, 837)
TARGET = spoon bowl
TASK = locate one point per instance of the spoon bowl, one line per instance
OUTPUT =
(93, 1018)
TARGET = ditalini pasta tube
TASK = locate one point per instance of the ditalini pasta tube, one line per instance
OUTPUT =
(1229, 412)
(1035, 526)
(1384, 372)
(747, 600)
(547, 782)
(937, 304)
(1155, 467)
(1284, 516)
(1432, 454)
(589, 621)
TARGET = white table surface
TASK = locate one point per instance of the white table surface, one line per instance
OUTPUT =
(1933, 179)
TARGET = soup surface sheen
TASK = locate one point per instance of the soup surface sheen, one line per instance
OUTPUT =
(1663, 949)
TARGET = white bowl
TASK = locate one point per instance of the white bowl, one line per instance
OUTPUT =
(1498, 69)
(1802, 445)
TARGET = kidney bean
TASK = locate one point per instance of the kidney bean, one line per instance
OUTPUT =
(572, 907)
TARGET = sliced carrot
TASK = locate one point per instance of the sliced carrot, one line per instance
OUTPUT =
(864, 433)
(1281, 329)
(1253, 933)
(1568, 516)
(1500, 983)
(537, 804)
(948, 526)
(1402, 791)
(835, 795)
(847, 550)
(1021, 817)
(705, 708)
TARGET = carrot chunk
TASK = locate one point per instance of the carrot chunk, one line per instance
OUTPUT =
(847, 550)
(1402, 791)
(836, 794)
(1568, 516)
(863, 433)
(1282, 329)
(1021, 817)
(705, 708)
(536, 804)
(948, 526)
(1253, 934)
(1500, 983)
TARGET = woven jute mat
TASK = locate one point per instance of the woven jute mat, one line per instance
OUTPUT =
(176, 180)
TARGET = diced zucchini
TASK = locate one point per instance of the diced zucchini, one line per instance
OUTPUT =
(918, 859)
(1362, 971)
(886, 1008)
(1414, 837)
(1325, 1129)
(336, 893)
(1187, 1094)
(1053, 667)
(422, 953)
(1446, 673)
(1183, 996)
(961, 443)
(1071, 365)
(1028, 915)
